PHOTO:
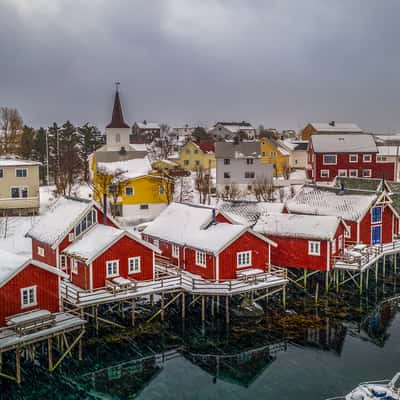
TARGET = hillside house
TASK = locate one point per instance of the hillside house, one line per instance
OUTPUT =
(332, 127)
(27, 285)
(304, 241)
(370, 217)
(205, 247)
(19, 186)
(297, 152)
(194, 155)
(229, 130)
(145, 132)
(353, 155)
(239, 164)
(272, 152)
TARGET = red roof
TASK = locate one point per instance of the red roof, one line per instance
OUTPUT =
(117, 120)
(206, 146)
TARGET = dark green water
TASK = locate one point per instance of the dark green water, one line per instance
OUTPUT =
(310, 353)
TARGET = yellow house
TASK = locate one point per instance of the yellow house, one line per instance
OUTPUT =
(133, 189)
(165, 166)
(194, 155)
(273, 153)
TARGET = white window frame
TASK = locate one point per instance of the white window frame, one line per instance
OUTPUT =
(351, 171)
(201, 258)
(381, 159)
(112, 274)
(380, 221)
(134, 265)
(353, 161)
(367, 176)
(347, 232)
(329, 155)
(333, 245)
(63, 261)
(369, 156)
(156, 243)
(71, 237)
(340, 242)
(273, 154)
(133, 191)
(20, 188)
(175, 251)
(342, 173)
(74, 266)
(324, 173)
(21, 169)
(29, 303)
(314, 248)
(244, 259)
(40, 251)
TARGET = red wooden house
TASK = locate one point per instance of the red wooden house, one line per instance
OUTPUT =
(104, 253)
(370, 217)
(304, 241)
(201, 245)
(346, 155)
(27, 284)
(67, 220)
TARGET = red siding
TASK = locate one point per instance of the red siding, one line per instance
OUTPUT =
(221, 218)
(82, 278)
(208, 272)
(47, 292)
(50, 255)
(387, 226)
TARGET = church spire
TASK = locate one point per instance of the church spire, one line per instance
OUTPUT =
(117, 120)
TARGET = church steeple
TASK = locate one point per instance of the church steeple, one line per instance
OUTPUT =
(117, 120)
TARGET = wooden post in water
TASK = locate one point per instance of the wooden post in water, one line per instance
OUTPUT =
(227, 310)
(367, 279)
(212, 306)
(162, 306)
(384, 266)
(326, 282)
(50, 352)
(376, 272)
(183, 305)
(361, 282)
(18, 365)
(284, 297)
(305, 279)
(203, 309)
(133, 313)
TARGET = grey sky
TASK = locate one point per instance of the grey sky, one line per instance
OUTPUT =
(277, 62)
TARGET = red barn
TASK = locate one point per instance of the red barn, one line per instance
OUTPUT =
(27, 284)
(370, 217)
(104, 253)
(349, 155)
(205, 247)
(304, 241)
(65, 222)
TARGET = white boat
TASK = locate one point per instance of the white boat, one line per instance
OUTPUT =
(375, 390)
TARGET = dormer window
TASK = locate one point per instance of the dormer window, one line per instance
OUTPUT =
(86, 222)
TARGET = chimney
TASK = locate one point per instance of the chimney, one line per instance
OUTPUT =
(332, 123)
(104, 208)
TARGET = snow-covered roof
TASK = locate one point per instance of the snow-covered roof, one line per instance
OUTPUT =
(53, 226)
(148, 125)
(348, 143)
(337, 127)
(190, 225)
(248, 212)
(138, 146)
(391, 151)
(298, 226)
(14, 162)
(294, 145)
(12, 263)
(133, 168)
(320, 201)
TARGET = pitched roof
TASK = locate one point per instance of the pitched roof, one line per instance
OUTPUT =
(295, 145)
(15, 162)
(298, 226)
(117, 119)
(53, 226)
(239, 150)
(206, 146)
(133, 168)
(336, 127)
(148, 125)
(117, 155)
(316, 200)
(349, 143)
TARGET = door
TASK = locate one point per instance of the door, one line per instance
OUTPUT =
(376, 234)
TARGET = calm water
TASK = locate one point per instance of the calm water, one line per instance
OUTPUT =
(310, 352)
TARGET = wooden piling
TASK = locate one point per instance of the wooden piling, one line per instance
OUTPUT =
(50, 352)
(203, 308)
(183, 306)
(133, 310)
(227, 310)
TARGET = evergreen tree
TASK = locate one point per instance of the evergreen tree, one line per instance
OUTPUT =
(54, 159)
(39, 152)
(26, 142)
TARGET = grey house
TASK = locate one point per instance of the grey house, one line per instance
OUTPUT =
(240, 164)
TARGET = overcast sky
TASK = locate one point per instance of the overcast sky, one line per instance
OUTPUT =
(277, 62)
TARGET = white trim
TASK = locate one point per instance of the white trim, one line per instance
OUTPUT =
(366, 176)
(217, 272)
(371, 211)
(314, 248)
(40, 251)
(342, 171)
(74, 266)
(137, 262)
(247, 254)
(328, 256)
(199, 255)
(329, 155)
(175, 251)
(322, 172)
(22, 169)
(353, 155)
(353, 170)
(29, 288)
(112, 275)
(380, 230)
(91, 276)
(367, 155)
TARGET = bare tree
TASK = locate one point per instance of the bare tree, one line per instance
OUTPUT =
(263, 189)
(184, 190)
(10, 125)
(203, 182)
(166, 186)
(281, 194)
(231, 192)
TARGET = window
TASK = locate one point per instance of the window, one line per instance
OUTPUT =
(249, 188)
(324, 173)
(227, 161)
(40, 251)
(273, 154)
(367, 157)
(381, 159)
(249, 175)
(342, 172)
(376, 215)
(133, 265)
(333, 246)
(249, 161)
(1, 173)
(161, 190)
(175, 251)
(201, 258)
(243, 259)
(353, 173)
(85, 223)
(187, 151)
(19, 192)
(129, 191)
(156, 243)
(144, 207)
(263, 154)
(63, 262)
(28, 297)
(112, 268)
(227, 175)
(329, 159)
(21, 172)
(313, 248)
(74, 266)
(196, 152)
(185, 162)
(111, 189)
(353, 158)
(366, 173)
(197, 162)
(117, 138)
(340, 242)
(71, 237)
(347, 232)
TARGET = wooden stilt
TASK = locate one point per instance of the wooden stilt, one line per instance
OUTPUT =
(384, 266)
(133, 310)
(305, 279)
(227, 309)
(376, 272)
(316, 292)
(162, 306)
(367, 279)
(18, 366)
(152, 300)
(183, 306)
(361, 282)
(203, 308)
(80, 350)
(326, 281)
(212, 307)
(284, 297)
(50, 352)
